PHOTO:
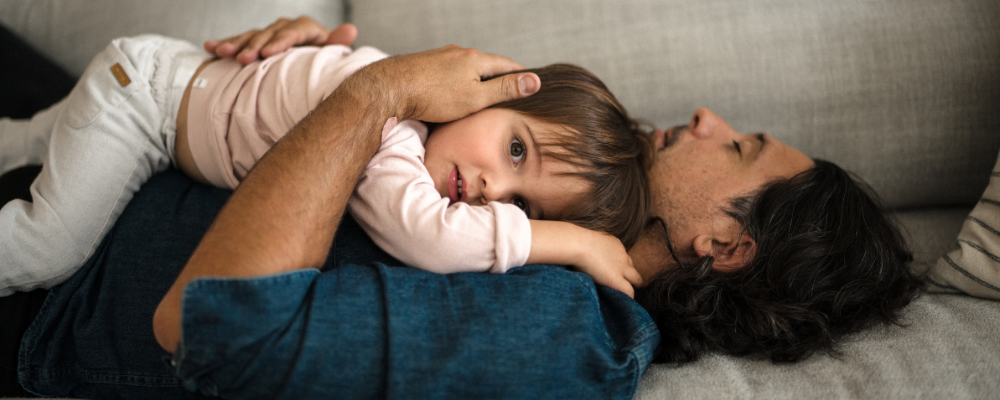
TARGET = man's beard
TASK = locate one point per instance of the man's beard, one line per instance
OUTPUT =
(670, 258)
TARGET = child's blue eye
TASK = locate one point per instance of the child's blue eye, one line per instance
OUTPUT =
(517, 150)
(520, 203)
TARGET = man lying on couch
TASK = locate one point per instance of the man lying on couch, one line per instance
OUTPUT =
(731, 226)
(743, 206)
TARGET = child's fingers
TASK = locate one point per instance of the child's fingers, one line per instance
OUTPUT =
(612, 280)
(632, 275)
(623, 286)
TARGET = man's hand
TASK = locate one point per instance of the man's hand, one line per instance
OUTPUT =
(284, 33)
(444, 84)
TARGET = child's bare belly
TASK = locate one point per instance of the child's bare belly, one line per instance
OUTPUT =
(185, 160)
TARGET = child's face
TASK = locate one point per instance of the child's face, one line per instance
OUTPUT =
(494, 154)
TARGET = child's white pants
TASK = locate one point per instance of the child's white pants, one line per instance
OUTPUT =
(99, 145)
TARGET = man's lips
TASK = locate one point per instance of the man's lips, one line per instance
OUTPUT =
(672, 134)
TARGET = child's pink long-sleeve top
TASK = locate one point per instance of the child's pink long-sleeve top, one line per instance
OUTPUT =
(236, 113)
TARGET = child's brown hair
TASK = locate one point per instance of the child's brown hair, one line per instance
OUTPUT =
(612, 150)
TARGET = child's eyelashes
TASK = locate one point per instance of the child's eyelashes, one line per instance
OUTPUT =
(520, 203)
(517, 150)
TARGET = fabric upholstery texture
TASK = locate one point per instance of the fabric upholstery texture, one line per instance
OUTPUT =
(939, 354)
(71, 32)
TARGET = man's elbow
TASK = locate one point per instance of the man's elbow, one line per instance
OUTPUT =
(167, 324)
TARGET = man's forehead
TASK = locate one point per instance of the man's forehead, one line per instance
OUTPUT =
(783, 161)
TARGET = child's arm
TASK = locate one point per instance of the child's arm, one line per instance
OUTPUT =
(598, 254)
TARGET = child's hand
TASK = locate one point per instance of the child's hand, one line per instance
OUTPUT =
(247, 47)
(604, 258)
(597, 254)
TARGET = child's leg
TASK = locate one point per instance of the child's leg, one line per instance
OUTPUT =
(113, 134)
(25, 141)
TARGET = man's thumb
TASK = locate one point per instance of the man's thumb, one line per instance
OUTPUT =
(345, 35)
(528, 84)
(516, 86)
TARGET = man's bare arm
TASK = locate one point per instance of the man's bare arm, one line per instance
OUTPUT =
(284, 214)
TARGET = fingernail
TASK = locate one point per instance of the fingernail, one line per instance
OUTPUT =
(527, 84)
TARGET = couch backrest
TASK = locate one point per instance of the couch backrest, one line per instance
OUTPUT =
(906, 93)
(72, 32)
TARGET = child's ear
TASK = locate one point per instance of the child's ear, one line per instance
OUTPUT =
(731, 249)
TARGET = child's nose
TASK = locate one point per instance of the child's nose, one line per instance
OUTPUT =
(495, 188)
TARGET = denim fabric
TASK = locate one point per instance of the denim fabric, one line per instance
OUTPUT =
(363, 328)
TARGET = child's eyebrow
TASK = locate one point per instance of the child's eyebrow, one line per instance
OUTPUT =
(536, 208)
(534, 144)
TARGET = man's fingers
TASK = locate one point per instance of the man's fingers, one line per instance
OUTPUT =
(210, 45)
(301, 31)
(282, 41)
(345, 35)
(278, 37)
(251, 52)
(228, 47)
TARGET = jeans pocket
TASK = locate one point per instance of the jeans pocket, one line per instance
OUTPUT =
(109, 80)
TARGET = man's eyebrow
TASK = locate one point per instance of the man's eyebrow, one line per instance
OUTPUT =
(762, 138)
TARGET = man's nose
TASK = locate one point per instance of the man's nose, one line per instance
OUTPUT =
(705, 123)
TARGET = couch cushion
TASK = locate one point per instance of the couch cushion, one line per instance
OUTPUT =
(903, 92)
(71, 32)
(947, 350)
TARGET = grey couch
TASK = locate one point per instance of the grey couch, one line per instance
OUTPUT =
(905, 93)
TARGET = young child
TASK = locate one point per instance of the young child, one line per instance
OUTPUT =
(460, 202)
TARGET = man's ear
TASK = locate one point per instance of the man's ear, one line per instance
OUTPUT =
(731, 247)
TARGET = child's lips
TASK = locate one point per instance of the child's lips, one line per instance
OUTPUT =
(456, 187)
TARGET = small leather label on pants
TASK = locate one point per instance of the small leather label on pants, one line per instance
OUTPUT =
(120, 74)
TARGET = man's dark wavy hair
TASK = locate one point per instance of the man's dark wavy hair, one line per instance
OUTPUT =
(828, 263)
